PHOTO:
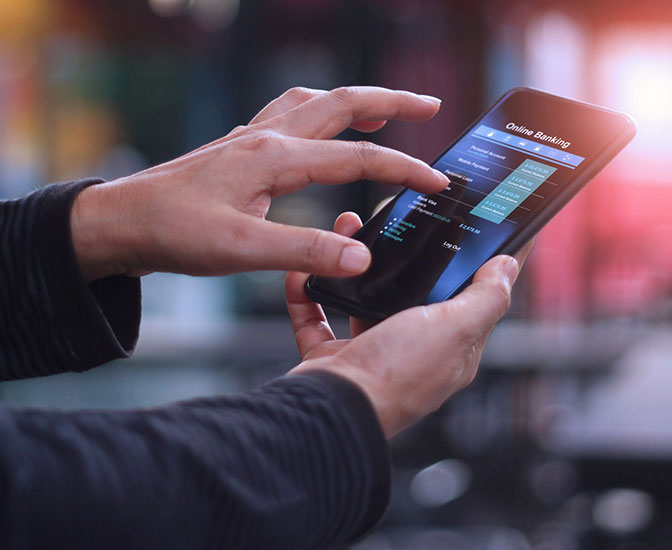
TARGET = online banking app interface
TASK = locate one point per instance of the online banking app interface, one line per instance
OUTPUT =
(424, 247)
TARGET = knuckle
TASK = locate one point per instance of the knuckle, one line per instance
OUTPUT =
(298, 94)
(260, 142)
(365, 150)
(502, 295)
(238, 131)
(312, 247)
(441, 313)
(433, 314)
(342, 94)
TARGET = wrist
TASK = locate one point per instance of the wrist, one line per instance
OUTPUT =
(390, 413)
(95, 229)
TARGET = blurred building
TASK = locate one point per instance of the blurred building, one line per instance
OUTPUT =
(563, 442)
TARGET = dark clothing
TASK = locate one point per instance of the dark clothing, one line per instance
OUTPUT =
(298, 463)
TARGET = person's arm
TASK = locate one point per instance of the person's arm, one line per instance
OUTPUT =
(230, 467)
(300, 463)
(51, 320)
(201, 214)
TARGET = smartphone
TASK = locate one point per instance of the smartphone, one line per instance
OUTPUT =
(510, 172)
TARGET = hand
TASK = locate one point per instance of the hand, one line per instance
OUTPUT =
(204, 213)
(410, 363)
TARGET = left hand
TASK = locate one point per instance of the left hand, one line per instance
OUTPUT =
(411, 362)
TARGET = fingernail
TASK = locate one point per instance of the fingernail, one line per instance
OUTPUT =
(510, 269)
(443, 176)
(431, 99)
(354, 258)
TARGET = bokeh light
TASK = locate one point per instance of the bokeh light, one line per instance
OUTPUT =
(636, 77)
(440, 483)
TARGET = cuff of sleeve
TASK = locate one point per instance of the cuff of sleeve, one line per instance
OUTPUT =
(100, 321)
(371, 443)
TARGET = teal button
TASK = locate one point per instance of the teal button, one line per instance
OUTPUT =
(511, 192)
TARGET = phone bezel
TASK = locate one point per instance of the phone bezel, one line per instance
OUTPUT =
(516, 241)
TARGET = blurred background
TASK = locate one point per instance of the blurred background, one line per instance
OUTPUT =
(564, 442)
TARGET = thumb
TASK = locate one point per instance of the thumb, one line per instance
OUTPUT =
(488, 297)
(309, 250)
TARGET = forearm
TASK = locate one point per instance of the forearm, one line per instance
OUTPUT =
(51, 320)
(298, 463)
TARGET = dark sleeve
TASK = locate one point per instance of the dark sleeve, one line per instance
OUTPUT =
(51, 321)
(298, 463)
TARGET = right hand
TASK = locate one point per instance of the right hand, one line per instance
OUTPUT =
(204, 213)
(410, 363)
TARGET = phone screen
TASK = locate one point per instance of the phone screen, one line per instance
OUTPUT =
(508, 167)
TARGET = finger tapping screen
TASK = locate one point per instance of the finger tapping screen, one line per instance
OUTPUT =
(503, 170)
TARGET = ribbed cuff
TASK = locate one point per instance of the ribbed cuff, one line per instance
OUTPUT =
(100, 321)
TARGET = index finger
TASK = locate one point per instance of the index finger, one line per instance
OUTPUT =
(327, 115)
(333, 162)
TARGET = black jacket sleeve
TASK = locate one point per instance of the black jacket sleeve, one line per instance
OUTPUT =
(51, 321)
(298, 463)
